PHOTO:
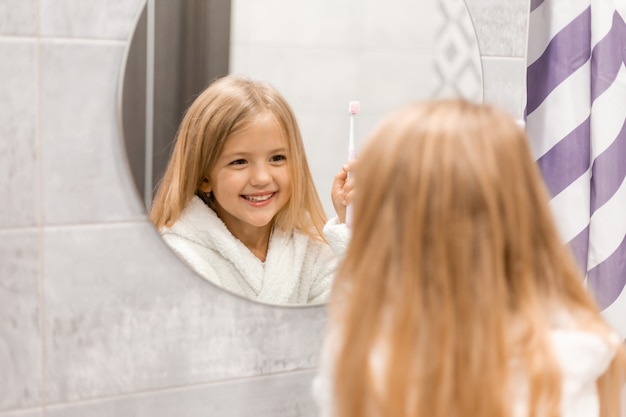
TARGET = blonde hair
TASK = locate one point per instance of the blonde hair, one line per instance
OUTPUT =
(454, 268)
(227, 106)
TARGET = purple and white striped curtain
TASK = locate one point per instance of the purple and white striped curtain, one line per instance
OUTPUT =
(575, 119)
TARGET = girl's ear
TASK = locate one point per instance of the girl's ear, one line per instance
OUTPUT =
(205, 186)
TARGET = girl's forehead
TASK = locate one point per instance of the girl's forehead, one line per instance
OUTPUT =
(260, 131)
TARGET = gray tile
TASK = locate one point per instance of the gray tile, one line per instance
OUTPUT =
(18, 129)
(24, 413)
(324, 23)
(125, 315)
(96, 19)
(457, 54)
(85, 174)
(500, 26)
(397, 24)
(20, 342)
(18, 17)
(282, 395)
(505, 84)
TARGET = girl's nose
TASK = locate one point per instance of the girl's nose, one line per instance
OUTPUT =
(260, 175)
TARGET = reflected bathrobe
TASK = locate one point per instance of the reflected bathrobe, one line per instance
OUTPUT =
(297, 270)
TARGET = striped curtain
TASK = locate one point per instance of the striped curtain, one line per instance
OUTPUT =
(575, 119)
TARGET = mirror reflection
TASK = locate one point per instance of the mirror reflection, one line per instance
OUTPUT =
(318, 58)
(237, 201)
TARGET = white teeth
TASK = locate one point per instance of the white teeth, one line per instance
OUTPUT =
(258, 198)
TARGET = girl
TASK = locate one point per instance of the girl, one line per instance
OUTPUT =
(456, 297)
(237, 201)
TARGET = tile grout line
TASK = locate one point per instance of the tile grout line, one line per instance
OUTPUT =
(41, 292)
(58, 39)
(72, 226)
(177, 388)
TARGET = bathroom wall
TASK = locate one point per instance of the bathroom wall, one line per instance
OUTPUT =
(97, 317)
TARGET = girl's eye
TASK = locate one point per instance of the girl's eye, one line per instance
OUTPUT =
(238, 162)
(278, 158)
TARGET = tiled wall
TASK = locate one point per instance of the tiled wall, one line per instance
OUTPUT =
(97, 316)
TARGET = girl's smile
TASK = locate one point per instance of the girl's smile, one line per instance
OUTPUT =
(258, 200)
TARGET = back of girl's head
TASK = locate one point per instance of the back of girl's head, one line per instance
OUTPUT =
(453, 247)
(227, 106)
(453, 191)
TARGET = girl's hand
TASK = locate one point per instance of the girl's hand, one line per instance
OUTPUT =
(342, 192)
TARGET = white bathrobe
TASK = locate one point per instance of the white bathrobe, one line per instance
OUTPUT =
(583, 357)
(297, 269)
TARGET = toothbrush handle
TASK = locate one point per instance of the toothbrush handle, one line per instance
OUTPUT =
(351, 157)
(349, 215)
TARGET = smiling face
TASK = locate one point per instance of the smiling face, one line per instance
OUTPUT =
(250, 180)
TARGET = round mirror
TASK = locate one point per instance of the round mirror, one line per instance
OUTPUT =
(320, 54)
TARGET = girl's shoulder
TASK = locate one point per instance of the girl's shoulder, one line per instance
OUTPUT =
(583, 347)
(584, 350)
(335, 239)
(199, 224)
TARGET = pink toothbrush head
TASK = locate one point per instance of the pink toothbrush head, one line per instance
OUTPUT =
(355, 107)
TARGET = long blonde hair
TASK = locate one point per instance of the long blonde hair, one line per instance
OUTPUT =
(227, 106)
(454, 268)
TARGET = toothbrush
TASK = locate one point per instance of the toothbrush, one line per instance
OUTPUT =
(354, 108)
